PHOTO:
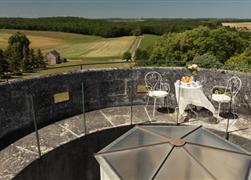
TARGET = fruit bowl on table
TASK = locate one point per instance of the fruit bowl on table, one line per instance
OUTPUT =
(186, 80)
(187, 84)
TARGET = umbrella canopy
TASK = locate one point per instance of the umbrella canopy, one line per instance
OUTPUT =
(173, 152)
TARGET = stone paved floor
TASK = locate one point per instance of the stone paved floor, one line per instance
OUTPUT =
(21, 153)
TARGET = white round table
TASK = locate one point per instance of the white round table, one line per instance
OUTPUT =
(191, 94)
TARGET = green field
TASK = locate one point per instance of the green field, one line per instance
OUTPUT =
(78, 49)
(74, 46)
(148, 41)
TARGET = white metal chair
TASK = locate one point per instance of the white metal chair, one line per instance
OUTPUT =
(230, 91)
(156, 88)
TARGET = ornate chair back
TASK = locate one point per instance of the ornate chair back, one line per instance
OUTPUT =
(153, 81)
(233, 86)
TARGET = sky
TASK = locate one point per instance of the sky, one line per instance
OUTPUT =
(127, 8)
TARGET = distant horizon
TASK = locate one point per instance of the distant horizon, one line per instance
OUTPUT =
(127, 9)
(125, 18)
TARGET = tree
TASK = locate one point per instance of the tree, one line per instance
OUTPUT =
(247, 51)
(222, 43)
(17, 51)
(26, 63)
(137, 31)
(127, 56)
(33, 63)
(3, 63)
(241, 58)
(22, 58)
(141, 54)
(240, 62)
(40, 59)
(207, 61)
(106, 27)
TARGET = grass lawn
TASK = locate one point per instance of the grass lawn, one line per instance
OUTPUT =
(148, 41)
(74, 46)
(78, 49)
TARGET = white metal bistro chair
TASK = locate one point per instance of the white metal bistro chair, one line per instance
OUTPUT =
(230, 91)
(157, 89)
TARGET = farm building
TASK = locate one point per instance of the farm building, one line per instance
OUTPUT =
(53, 57)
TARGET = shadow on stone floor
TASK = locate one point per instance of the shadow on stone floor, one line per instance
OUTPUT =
(21, 153)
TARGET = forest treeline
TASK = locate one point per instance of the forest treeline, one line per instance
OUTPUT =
(106, 27)
(221, 47)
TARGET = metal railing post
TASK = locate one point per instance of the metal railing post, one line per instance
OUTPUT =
(131, 97)
(35, 125)
(178, 108)
(227, 133)
(83, 107)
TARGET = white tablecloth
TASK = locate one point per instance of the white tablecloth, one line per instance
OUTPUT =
(192, 94)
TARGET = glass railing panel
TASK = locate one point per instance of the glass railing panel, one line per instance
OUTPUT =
(138, 96)
(19, 154)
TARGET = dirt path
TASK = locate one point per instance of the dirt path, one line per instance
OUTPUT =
(136, 46)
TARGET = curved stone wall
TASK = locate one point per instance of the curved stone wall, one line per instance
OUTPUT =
(75, 160)
(103, 88)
